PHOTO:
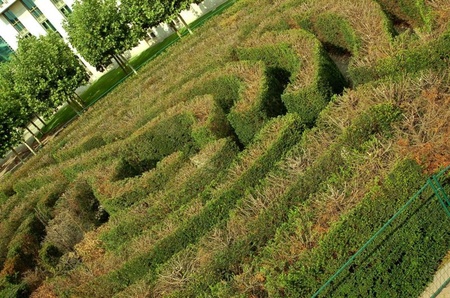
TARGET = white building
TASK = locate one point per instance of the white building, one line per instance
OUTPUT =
(20, 18)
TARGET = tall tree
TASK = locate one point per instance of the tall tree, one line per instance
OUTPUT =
(177, 6)
(99, 32)
(14, 112)
(46, 72)
(143, 15)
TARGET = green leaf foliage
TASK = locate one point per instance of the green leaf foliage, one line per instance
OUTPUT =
(98, 31)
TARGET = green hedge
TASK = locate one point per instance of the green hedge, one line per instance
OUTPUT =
(14, 290)
(334, 29)
(313, 75)
(160, 207)
(24, 186)
(24, 246)
(432, 55)
(398, 264)
(85, 146)
(415, 12)
(211, 121)
(224, 89)
(138, 188)
(215, 211)
(330, 164)
(145, 149)
(247, 93)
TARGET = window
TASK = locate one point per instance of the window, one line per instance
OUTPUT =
(38, 15)
(14, 21)
(5, 50)
(63, 8)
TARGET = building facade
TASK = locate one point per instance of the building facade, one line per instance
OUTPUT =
(19, 18)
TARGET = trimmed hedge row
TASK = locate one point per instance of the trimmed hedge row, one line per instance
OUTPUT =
(23, 248)
(211, 122)
(263, 228)
(432, 55)
(313, 75)
(247, 93)
(392, 266)
(276, 138)
(415, 12)
(133, 190)
(212, 160)
(334, 29)
(85, 145)
(146, 148)
(20, 208)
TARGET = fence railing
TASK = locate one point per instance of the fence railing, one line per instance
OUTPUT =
(435, 185)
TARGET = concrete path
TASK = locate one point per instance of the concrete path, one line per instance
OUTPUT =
(439, 279)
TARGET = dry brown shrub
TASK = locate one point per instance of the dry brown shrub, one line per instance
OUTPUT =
(177, 272)
(425, 129)
(46, 290)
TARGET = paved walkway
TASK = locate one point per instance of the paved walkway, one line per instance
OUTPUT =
(439, 278)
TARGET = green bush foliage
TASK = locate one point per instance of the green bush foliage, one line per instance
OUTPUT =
(395, 266)
(229, 261)
(216, 209)
(145, 149)
(210, 121)
(415, 12)
(209, 163)
(24, 246)
(247, 93)
(85, 146)
(14, 290)
(432, 55)
(313, 75)
(335, 30)
(232, 167)
(138, 188)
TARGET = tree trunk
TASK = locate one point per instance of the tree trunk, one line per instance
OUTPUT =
(185, 24)
(125, 62)
(29, 148)
(174, 28)
(120, 64)
(71, 105)
(34, 136)
(79, 100)
(17, 154)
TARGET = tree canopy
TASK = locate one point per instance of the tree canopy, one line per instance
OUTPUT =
(42, 75)
(143, 15)
(46, 72)
(13, 112)
(98, 30)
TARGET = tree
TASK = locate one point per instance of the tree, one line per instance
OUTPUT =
(13, 112)
(99, 32)
(46, 72)
(143, 15)
(177, 6)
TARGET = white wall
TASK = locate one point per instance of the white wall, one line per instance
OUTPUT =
(8, 32)
(27, 19)
(53, 15)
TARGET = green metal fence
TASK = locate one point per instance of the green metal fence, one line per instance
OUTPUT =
(442, 278)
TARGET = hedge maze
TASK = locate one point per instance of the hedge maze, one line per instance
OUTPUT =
(248, 160)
